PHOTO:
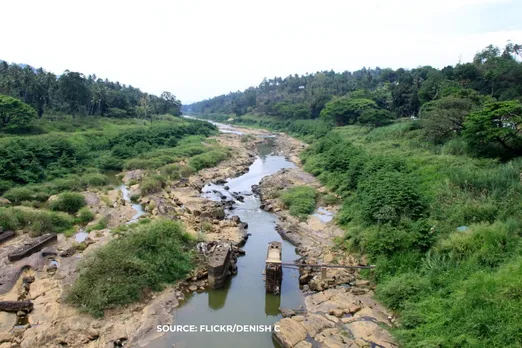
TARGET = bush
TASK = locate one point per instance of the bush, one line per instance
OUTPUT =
(69, 202)
(125, 269)
(209, 159)
(390, 196)
(95, 179)
(85, 215)
(171, 171)
(100, 225)
(18, 194)
(152, 184)
(395, 292)
(300, 200)
(37, 221)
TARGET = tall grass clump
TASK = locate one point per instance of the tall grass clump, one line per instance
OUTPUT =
(127, 268)
(38, 222)
(300, 200)
(152, 184)
(69, 202)
(443, 229)
(209, 159)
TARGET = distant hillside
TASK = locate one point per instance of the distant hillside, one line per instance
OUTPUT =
(494, 72)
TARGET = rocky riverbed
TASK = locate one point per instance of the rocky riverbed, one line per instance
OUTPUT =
(52, 323)
(340, 311)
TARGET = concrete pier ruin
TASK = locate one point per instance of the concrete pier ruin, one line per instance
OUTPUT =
(274, 268)
(220, 265)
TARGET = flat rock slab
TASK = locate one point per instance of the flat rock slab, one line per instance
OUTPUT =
(34, 245)
(15, 306)
(6, 235)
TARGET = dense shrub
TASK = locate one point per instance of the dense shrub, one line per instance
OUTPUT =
(69, 202)
(19, 194)
(85, 215)
(209, 159)
(390, 196)
(37, 221)
(152, 184)
(300, 200)
(95, 179)
(126, 268)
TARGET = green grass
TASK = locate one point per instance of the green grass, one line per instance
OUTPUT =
(69, 202)
(209, 159)
(300, 200)
(403, 199)
(85, 215)
(38, 222)
(31, 159)
(152, 184)
(100, 225)
(141, 260)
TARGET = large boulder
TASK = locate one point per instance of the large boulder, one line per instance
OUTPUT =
(290, 333)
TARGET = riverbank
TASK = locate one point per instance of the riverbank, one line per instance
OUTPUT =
(339, 310)
(52, 322)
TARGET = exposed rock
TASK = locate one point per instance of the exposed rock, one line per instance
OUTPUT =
(290, 332)
(315, 323)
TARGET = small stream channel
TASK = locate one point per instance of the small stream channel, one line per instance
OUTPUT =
(243, 300)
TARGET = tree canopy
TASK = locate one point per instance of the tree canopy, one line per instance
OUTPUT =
(77, 94)
(15, 114)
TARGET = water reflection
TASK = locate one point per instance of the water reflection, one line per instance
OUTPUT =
(243, 300)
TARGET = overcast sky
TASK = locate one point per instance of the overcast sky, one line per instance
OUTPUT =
(202, 48)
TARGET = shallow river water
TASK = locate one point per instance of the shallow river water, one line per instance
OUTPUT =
(243, 300)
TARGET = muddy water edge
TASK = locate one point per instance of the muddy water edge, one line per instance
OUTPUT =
(243, 300)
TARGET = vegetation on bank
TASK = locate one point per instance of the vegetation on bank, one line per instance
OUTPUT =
(300, 200)
(140, 260)
(62, 159)
(443, 228)
(427, 165)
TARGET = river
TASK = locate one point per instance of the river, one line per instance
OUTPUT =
(243, 300)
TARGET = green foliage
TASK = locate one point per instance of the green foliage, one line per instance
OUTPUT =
(152, 184)
(37, 221)
(69, 202)
(444, 118)
(123, 271)
(95, 179)
(19, 194)
(14, 114)
(344, 111)
(77, 94)
(209, 159)
(386, 197)
(43, 157)
(100, 225)
(85, 215)
(403, 202)
(495, 130)
(300, 200)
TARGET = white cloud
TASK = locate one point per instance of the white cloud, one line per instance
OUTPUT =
(201, 48)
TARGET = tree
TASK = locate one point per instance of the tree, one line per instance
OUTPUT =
(445, 117)
(74, 90)
(170, 104)
(14, 114)
(496, 130)
(344, 111)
